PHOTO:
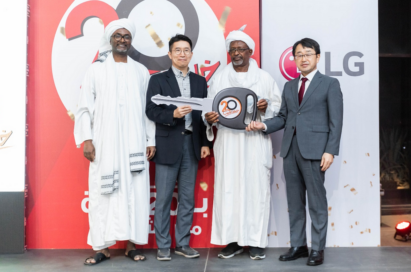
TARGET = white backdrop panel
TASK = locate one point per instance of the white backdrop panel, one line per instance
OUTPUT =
(13, 26)
(347, 32)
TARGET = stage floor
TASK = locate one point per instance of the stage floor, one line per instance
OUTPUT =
(336, 259)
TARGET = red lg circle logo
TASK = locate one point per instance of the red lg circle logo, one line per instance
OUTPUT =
(288, 67)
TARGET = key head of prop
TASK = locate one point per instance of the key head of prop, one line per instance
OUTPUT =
(231, 106)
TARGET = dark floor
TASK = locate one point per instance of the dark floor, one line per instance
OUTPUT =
(336, 259)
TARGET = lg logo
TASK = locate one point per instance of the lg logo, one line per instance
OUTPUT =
(290, 71)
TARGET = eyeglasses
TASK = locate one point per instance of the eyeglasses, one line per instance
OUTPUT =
(178, 51)
(240, 50)
(300, 56)
(118, 37)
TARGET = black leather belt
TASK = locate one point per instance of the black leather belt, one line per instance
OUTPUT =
(187, 132)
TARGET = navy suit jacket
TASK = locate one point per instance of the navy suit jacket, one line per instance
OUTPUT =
(169, 130)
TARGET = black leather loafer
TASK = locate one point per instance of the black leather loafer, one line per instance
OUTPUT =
(316, 258)
(294, 253)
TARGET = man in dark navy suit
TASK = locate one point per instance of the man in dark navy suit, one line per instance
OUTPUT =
(181, 142)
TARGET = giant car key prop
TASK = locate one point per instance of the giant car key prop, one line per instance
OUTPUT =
(230, 104)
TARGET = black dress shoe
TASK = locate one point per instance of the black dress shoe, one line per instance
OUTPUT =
(294, 253)
(316, 257)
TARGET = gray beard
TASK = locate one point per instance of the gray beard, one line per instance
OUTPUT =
(238, 62)
(122, 51)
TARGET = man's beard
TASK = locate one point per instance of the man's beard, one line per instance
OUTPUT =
(239, 62)
(121, 51)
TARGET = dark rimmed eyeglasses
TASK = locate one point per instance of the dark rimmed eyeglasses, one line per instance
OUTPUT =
(240, 50)
(118, 37)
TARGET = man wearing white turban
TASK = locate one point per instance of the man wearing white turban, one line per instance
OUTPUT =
(118, 141)
(243, 159)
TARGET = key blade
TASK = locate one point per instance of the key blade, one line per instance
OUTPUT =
(195, 103)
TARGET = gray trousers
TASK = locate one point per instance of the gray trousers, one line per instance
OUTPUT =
(184, 171)
(303, 176)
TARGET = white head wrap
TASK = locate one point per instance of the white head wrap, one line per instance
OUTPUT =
(239, 35)
(111, 28)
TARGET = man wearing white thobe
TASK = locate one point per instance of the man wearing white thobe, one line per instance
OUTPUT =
(243, 159)
(118, 140)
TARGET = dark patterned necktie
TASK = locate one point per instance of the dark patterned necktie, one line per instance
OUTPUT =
(302, 90)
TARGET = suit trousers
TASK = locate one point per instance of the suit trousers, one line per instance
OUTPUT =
(305, 177)
(184, 171)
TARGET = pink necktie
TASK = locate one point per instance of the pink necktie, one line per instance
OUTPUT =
(302, 90)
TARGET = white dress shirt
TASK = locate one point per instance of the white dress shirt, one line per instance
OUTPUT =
(310, 77)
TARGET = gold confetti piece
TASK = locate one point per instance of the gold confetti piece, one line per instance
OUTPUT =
(373, 174)
(70, 114)
(354, 191)
(368, 230)
(268, 235)
(362, 232)
(201, 66)
(329, 214)
(371, 183)
(357, 223)
(223, 19)
(378, 245)
(275, 233)
(168, 38)
(351, 226)
(332, 224)
(345, 162)
(151, 13)
(346, 185)
(203, 185)
(63, 31)
(338, 246)
(101, 21)
(179, 25)
(274, 157)
(277, 186)
(351, 211)
(154, 36)
(288, 242)
(367, 154)
(330, 208)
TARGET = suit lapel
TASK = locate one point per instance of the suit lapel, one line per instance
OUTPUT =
(172, 81)
(192, 86)
(294, 89)
(313, 85)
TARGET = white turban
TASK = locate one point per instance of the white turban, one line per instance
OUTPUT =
(239, 35)
(111, 28)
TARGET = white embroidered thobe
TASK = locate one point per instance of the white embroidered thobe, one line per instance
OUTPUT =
(242, 167)
(123, 214)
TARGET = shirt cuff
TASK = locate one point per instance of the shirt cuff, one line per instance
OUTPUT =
(265, 127)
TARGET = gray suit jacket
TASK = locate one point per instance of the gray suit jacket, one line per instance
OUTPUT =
(318, 120)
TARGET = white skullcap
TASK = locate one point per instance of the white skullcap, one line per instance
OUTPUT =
(239, 35)
(111, 28)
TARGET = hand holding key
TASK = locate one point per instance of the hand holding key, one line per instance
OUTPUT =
(211, 117)
(182, 111)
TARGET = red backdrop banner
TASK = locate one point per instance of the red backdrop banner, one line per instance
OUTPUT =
(57, 59)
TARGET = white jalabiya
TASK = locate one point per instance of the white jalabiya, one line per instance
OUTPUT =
(242, 165)
(124, 213)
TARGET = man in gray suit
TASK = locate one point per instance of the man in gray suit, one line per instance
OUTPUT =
(312, 115)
